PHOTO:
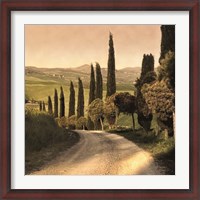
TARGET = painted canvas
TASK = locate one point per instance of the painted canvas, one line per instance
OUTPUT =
(100, 99)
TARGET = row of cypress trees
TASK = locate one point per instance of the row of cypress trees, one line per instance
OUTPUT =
(80, 105)
(42, 106)
(96, 88)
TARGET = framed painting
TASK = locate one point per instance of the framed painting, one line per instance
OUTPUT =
(100, 99)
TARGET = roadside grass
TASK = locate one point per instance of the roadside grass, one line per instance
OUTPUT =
(44, 139)
(161, 148)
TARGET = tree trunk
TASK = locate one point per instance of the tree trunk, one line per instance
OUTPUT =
(133, 120)
(101, 124)
(116, 119)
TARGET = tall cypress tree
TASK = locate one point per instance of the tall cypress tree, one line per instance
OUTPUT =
(55, 103)
(71, 100)
(147, 75)
(92, 85)
(90, 124)
(111, 82)
(80, 105)
(62, 103)
(99, 82)
(49, 105)
(167, 40)
(43, 106)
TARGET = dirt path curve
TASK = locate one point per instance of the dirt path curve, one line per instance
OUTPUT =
(101, 153)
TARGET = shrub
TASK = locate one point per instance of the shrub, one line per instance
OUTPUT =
(62, 122)
(72, 122)
(41, 130)
(81, 123)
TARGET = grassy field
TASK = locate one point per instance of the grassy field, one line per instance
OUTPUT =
(44, 139)
(39, 87)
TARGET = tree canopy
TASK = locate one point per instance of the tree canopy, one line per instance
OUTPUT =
(110, 110)
(126, 103)
(96, 112)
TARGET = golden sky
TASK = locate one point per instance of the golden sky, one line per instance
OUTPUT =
(74, 45)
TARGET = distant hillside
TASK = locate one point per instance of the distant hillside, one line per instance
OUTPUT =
(125, 77)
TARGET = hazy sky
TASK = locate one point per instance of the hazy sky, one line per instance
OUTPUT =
(75, 45)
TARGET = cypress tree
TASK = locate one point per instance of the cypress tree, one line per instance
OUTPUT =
(50, 105)
(147, 65)
(90, 124)
(99, 82)
(168, 51)
(43, 106)
(92, 85)
(167, 40)
(147, 76)
(62, 103)
(40, 106)
(71, 100)
(55, 103)
(111, 82)
(80, 105)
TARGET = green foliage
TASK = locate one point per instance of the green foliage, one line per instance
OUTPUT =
(92, 85)
(90, 124)
(111, 80)
(147, 64)
(81, 123)
(126, 103)
(62, 103)
(62, 122)
(166, 70)
(110, 109)
(161, 100)
(99, 82)
(147, 76)
(55, 103)
(96, 111)
(50, 111)
(167, 40)
(145, 120)
(71, 100)
(72, 122)
(41, 130)
(80, 105)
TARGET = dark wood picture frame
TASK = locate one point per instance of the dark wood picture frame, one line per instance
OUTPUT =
(7, 6)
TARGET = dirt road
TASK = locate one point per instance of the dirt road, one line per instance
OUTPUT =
(101, 153)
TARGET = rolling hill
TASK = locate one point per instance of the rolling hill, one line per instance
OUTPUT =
(41, 82)
(125, 77)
